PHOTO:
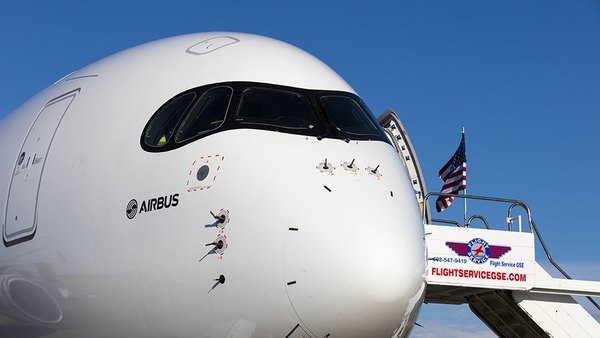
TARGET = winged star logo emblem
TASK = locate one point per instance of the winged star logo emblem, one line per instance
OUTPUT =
(478, 250)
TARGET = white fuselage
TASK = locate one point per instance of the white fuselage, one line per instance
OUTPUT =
(337, 251)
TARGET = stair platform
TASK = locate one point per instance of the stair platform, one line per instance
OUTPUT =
(495, 272)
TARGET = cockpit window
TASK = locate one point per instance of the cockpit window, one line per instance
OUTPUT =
(276, 108)
(348, 116)
(208, 113)
(161, 127)
(209, 109)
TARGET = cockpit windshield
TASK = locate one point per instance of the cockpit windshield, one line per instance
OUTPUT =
(207, 110)
(276, 108)
(159, 130)
(208, 113)
(348, 117)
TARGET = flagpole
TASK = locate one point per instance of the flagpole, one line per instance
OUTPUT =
(465, 190)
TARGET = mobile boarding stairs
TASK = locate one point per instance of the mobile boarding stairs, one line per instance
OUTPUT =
(494, 270)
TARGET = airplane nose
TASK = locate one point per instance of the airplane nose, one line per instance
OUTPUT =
(356, 269)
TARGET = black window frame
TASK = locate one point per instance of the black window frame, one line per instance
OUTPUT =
(306, 97)
(324, 127)
(381, 136)
(152, 123)
(191, 108)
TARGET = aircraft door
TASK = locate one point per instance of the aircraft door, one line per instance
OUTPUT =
(395, 131)
(20, 219)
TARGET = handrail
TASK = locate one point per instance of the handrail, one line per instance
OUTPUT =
(539, 236)
(447, 221)
(468, 223)
(482, 198)
(532, 225)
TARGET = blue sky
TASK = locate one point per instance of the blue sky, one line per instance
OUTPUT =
(523, 78)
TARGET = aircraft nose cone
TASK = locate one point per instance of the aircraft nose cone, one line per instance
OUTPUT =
(356, 273)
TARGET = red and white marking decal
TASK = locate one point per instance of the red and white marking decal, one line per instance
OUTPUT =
(209, 165)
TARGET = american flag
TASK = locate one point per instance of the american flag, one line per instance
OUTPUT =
(454, 175)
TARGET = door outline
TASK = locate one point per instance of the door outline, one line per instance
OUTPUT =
(17, 236)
